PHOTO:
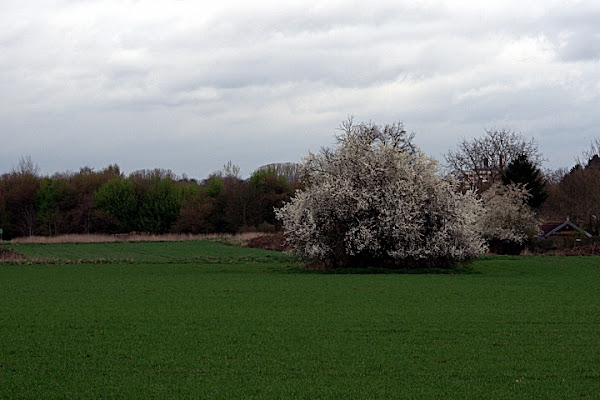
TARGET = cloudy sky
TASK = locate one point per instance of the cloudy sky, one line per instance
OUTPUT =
(190, 85)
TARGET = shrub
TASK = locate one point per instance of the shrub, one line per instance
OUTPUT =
(508, 223)
(377, 200)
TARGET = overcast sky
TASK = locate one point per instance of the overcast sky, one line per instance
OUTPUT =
(190, 85)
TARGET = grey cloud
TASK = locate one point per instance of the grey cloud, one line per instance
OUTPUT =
(581, 46)
(196, 90)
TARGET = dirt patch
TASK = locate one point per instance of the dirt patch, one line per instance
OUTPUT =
(10, 255)
(274, 241)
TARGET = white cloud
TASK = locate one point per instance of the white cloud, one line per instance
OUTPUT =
(253, 81)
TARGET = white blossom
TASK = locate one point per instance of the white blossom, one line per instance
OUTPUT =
(507, 217)
(378, 199)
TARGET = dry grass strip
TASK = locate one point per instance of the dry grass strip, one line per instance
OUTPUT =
(133, 237)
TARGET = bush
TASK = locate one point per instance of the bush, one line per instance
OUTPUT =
(508, 223)
(376, 200)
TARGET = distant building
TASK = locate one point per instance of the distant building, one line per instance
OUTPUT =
(479, 178)
(566, 228)
(472, 180)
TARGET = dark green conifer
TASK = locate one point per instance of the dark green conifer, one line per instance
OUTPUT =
(524, 172)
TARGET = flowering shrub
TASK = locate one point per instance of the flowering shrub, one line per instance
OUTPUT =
(508, 222)
(377, 200)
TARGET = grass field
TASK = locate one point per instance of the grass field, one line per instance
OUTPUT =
(183, 252)
(205, 320)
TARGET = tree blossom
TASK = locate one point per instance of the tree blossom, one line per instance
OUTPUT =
(507, 216)
(377, 200)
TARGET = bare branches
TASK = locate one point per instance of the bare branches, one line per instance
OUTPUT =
(26, 166)
(482, 160)
(591, 154)
(370, 134)
(232, 170)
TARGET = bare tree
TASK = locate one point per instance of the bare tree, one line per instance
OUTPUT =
(591, 155)
(290, 171)
(26, 166)
(554, 176)
(480, 161)
(231, 170)
(577, 197)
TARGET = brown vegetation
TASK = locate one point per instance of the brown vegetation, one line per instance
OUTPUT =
(10, 255)
(274, 241)
(134, 237)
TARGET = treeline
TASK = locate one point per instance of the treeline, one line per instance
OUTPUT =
(153, 201)
(575, 194)
(157, 201)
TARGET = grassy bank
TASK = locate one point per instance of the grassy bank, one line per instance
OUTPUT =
(225, 322)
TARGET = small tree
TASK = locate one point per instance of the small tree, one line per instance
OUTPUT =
(52, 200)
(117, 197)
(270, 191)
(508, 223)
(160, 205)
(377, 200)
(18, 195)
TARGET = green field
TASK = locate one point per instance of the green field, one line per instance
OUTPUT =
(205, 320)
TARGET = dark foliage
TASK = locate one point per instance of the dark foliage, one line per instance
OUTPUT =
(523, 172)
(506, 247)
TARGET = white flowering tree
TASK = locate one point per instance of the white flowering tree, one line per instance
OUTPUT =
(508, 222)
(377, 200)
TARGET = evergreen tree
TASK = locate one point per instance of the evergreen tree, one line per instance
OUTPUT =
(522, 171)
